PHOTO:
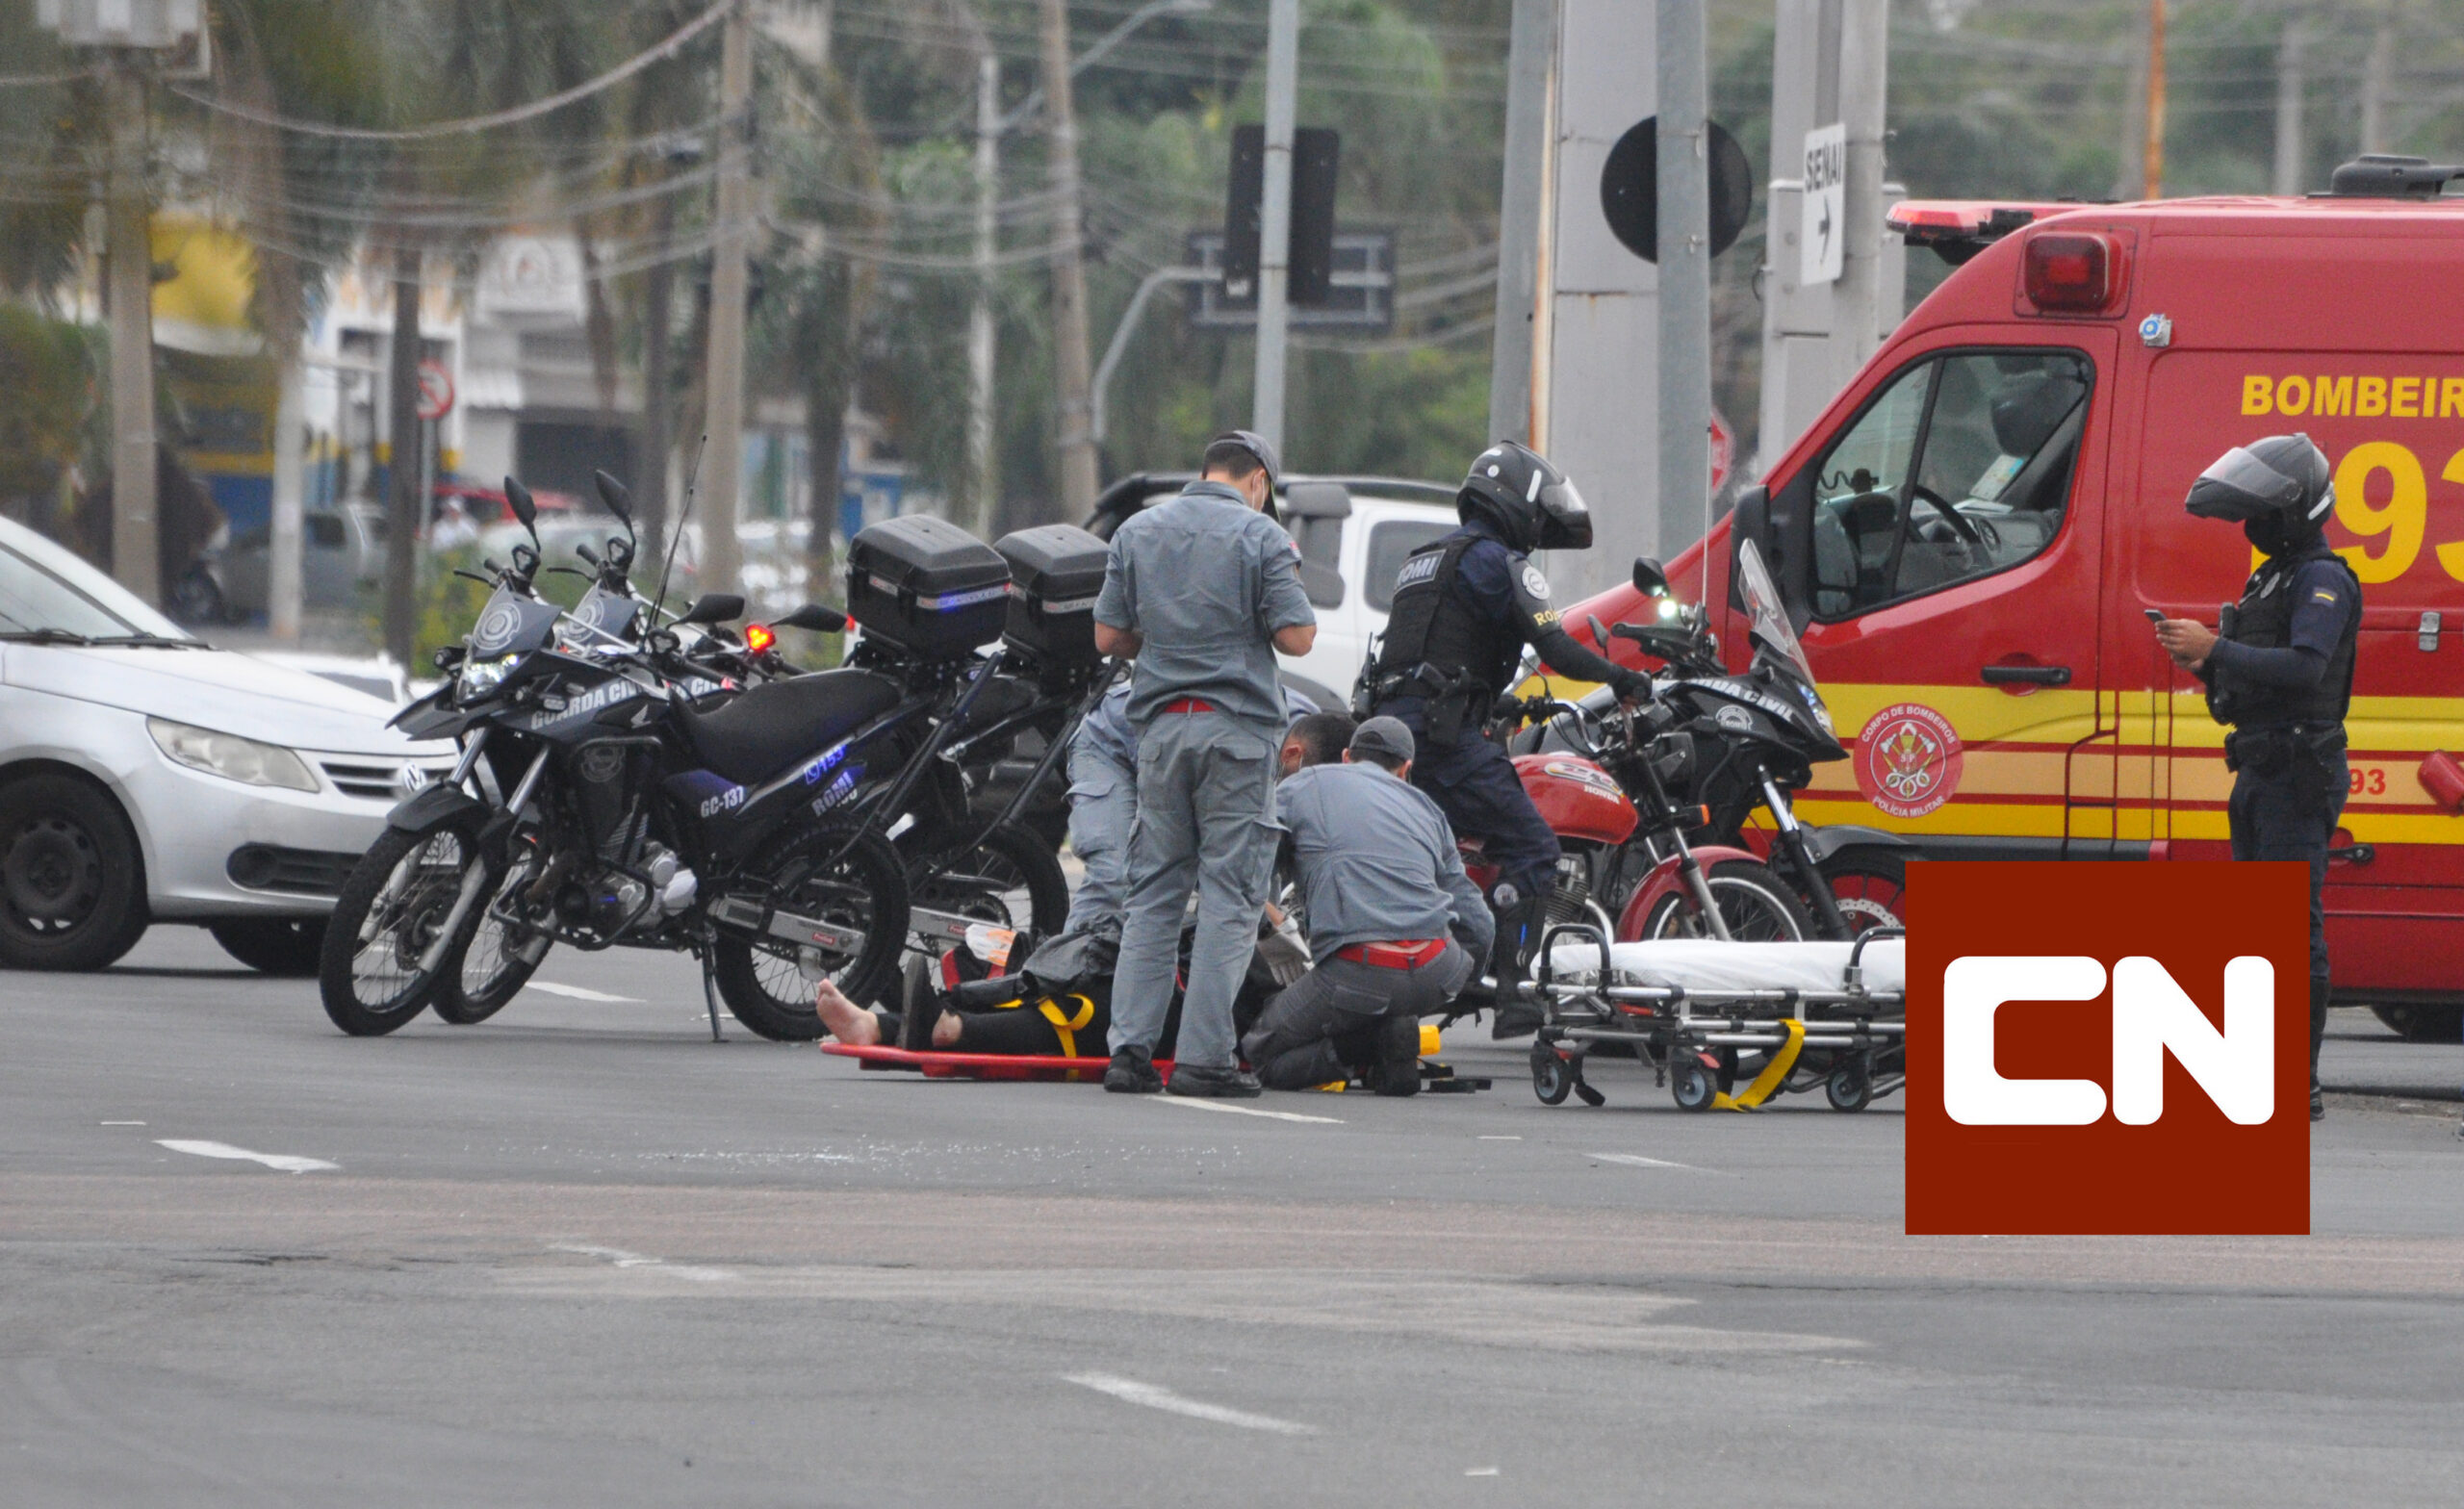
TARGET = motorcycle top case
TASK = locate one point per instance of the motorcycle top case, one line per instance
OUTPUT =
(1056, 570)
(927, 585)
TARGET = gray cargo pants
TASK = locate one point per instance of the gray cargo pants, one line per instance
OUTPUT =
(1293, 1045)
(1103, 804)
(1205, 821)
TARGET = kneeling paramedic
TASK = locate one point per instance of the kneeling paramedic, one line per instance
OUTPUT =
(1203, 589)
(2279, 674)
(1465, 605)
(1395, 925)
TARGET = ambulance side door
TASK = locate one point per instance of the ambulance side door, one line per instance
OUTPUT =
(1952, 535)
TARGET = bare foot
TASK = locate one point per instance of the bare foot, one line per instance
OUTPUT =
(848, 1022)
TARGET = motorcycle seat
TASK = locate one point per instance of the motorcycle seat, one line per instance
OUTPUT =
(756, 734)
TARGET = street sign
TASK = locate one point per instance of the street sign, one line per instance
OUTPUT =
(1360, 286)
(1820, 235)
(436, 391)
(1629, 188)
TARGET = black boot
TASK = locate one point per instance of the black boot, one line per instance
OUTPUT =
(2318, 993)
(1519, 931)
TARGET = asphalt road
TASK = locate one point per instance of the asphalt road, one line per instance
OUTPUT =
(582, 1255)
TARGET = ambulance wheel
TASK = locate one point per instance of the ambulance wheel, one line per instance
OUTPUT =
(1691, 1084)
(1850, 1086)
(1552, 1078)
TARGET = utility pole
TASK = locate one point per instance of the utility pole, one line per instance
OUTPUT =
(136, 556)
(1071, 364)
(1867, 301)
(2287, 107)
(981, 335)
(2374, 89)
(1274, 218)
(1680, 142)
(406, 510)
(290, 500)
(722, 561)
(2152, 177)
(1532, 49)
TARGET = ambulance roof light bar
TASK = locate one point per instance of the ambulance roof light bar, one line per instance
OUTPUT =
(1958, 229)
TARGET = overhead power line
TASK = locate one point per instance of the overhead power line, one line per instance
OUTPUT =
(476, 123)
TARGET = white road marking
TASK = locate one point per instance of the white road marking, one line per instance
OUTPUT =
(1479, 1472)
(1186, 1103)
(1489, 1139)
(122, 1123)
(622, 1259)
(1130, 1390)
(582, 993)
(1638, 1161)
(288, 1163)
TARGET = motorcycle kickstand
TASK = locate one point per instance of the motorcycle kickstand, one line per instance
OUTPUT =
(709, 994)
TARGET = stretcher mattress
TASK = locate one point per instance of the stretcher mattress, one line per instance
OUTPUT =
(1707, 966)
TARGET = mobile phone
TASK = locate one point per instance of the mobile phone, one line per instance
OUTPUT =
(2155, 616)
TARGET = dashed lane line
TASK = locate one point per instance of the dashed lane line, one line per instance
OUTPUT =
(1638, 1161)
(288, 1163)
(581, 993)
(1153, 1396)
(618, 1257)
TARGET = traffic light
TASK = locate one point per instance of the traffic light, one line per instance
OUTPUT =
(1317, 157)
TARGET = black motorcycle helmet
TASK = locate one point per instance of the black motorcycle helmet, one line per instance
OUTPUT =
(2280, 490)
(1529, 501)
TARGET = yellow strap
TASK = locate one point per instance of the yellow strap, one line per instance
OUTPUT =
(1772, 1074)
(1068, 1025)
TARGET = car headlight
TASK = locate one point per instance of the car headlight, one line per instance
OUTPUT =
(230, 756)
(480, 678)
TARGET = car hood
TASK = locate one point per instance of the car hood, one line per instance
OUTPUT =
(218, 689)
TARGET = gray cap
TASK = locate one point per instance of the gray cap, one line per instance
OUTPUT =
(1386, 736)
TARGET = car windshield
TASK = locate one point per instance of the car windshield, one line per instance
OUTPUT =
(45, 590)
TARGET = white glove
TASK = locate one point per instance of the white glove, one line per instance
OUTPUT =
(1284, 951)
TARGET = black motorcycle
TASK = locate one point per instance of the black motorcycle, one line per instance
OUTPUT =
(595, 803)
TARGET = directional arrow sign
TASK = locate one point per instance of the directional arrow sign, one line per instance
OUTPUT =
(1819, 237)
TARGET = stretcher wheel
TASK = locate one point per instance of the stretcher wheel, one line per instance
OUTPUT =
(1850, 1088)
(1691, 1084)
(1552, 1078)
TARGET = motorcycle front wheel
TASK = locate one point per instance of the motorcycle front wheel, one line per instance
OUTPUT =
(392, 908)
(483, 975)
(1755, 903)
(768, 983)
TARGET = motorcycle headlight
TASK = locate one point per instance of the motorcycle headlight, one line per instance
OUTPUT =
(478, 677)
(230, 756)
(1821, 714)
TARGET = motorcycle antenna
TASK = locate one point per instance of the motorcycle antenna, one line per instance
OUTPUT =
(692, 486)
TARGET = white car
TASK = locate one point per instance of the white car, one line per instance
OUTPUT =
(1353, 534)
(145, 777)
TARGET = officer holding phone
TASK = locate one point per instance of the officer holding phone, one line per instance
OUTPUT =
(2279, 671)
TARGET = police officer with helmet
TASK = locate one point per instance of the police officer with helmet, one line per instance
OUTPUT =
(1464, 607)
(2279, 674)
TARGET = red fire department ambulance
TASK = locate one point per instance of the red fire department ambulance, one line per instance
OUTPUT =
(1969, 534)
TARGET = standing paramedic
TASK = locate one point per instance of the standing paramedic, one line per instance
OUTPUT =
(1203, 589)
(2280, 672)
(1465, 606)
(1395, 925)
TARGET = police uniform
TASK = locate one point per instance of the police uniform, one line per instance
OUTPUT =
(1395, 926)
(1206, 582)
(2287, 748)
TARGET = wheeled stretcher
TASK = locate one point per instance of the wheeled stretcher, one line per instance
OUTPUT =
(1783, 1017)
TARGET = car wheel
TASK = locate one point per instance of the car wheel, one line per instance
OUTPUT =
(287, 946)
(72, 884)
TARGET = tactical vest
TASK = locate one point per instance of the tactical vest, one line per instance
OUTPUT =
(1429, 629)
(2263, 620)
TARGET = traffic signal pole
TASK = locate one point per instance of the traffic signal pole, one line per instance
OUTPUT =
(1531, 51)
(1681, 142)
(722, 559)
(1274, 218)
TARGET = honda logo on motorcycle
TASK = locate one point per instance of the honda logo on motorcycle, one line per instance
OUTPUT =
(2108, 1047)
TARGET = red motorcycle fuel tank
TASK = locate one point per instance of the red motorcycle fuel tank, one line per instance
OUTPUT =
(1576, 799)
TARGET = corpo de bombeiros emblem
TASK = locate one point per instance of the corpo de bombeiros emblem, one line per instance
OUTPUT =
(1908, 760)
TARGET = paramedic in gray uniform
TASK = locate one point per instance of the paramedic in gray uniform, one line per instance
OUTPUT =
(1203, 589)
(1395, 925)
